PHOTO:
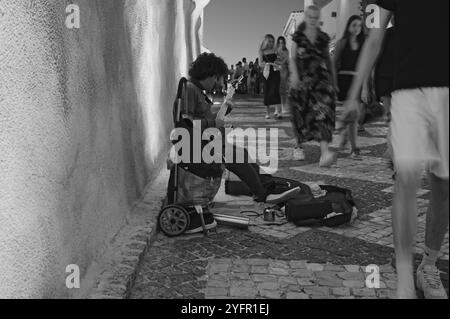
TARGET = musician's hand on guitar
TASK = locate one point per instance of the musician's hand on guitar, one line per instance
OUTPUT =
(220, 123)
(230, 106)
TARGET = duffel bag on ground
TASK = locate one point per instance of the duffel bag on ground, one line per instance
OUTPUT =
(335, 208)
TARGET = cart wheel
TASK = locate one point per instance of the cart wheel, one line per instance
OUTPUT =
(173, 220)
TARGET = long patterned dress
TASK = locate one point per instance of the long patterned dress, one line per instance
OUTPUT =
(313, 104)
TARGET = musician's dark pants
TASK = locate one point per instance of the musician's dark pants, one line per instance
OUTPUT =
(247, 170)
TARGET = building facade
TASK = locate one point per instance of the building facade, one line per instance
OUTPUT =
(335, 14)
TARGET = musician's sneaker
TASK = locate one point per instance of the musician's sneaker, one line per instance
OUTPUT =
(280, 198)
(429, 281)
(195, 226)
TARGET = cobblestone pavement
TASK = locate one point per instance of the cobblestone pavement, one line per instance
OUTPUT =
(282, 260)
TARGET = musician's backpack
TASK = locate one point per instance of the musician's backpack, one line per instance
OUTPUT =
(335, 208)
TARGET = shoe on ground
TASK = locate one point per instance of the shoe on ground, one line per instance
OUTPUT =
(356, 154)
(327, 160)
(299, 154)
(195, 226)
(429, 281)
(279, 198)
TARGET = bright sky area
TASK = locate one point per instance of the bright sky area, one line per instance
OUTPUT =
(234, 29)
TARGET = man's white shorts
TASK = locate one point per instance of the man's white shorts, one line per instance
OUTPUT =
(420, 129)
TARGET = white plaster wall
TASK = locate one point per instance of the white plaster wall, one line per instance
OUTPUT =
(346, 10)
(84, 122)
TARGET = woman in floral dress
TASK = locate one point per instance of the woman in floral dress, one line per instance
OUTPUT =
(312, 93)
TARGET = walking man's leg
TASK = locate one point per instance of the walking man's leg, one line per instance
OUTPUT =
(404, 218)
(428, 276)
(416, 147)
(409, 146)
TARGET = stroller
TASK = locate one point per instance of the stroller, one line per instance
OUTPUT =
(188, 193)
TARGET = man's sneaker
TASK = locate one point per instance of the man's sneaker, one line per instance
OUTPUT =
(279, 198)
(299, 154)
(429, 281)
(195, 225)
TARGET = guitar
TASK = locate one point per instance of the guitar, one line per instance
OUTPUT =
(225, 108)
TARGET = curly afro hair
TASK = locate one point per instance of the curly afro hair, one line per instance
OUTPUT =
(207, 65)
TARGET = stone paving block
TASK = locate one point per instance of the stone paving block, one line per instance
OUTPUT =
(336, 282)
(279, 264)
(265, 278)
(243, 292)
(322, 297)
(259, 270)
(390, 276)
(356, 276)
(218, 284)
(352, 268)
(279, 271)
(218, 276)
(268, 286)
(306, 282)
(240, 276)
(334, 268)
(271, 294)
(216, 292)
(218, 268)
(341, 292)
(317, 291)
(222, 261)
(386, 294)
(302, 273)
(240, 268)
(298, 264)
(295, 288)
(315, 267)
(284, 282)
(296, 296)
(391, 284)
(364, 292)
(258, 262)
(354, 284)
(242, 284)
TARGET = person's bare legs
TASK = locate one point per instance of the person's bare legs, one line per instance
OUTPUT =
(404, 219)
(437, 216)
(267, 111)
(327, 157)
(278, 111)
(386, 100)
(352, 132)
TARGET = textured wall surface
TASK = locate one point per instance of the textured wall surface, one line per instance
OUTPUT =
(84, 122)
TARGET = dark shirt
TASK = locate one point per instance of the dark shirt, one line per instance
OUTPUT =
(421, 42)
(386, 62)
(349, 58)
(198, 105)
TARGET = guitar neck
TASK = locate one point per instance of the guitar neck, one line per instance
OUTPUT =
(224, 108)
